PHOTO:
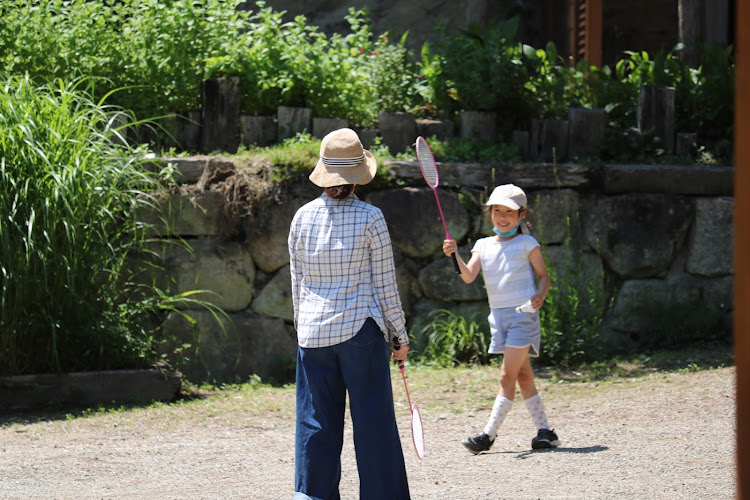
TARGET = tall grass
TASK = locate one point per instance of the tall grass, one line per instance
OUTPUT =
(69, 189)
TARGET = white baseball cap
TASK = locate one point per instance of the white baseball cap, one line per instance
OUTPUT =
(508, 195)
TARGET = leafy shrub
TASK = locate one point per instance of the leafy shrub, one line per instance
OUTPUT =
(153, 52)
(480, 71)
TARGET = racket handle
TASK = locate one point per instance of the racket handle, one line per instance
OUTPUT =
(455, 263)
(397, 346)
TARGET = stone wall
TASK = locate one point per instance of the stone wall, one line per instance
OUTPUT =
(655, 239)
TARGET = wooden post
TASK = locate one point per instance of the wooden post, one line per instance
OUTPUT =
(685, 143)
(742, 247)
(292, 120)
(476, 12)
(656, 113)
(220, 114)
(258, 130)
(691, 18)
(478, 124)
(398, 130)
(548, 139)
(323, 126)
(587, 128)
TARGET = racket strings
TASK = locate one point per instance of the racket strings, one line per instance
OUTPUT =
(417, 432)
(427, 163)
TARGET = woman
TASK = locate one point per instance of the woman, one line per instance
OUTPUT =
(346, 308)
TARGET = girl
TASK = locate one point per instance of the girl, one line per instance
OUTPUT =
(509, 262)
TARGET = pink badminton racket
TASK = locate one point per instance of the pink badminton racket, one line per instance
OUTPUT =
(429, 172)
(417, 431)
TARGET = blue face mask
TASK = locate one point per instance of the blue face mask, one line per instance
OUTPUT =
(505, 234)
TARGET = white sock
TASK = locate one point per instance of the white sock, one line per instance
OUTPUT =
(536, 409)
(499, 410)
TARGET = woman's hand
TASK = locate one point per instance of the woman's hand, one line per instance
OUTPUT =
(398, 352)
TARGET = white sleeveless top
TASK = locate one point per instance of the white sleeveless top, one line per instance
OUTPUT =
(508, 274)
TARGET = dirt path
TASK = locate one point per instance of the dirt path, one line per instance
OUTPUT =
(668, 436)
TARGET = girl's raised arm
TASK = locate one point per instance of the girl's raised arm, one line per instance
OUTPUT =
(469, 271)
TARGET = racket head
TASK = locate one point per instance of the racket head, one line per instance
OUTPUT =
(417, 431)
(427, 162)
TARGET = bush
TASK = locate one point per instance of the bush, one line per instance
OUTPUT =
(479, 71)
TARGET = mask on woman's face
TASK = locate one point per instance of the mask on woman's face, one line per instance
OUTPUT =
(506, 234)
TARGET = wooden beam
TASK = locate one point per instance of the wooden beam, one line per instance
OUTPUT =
(742, 247)
(593, 43)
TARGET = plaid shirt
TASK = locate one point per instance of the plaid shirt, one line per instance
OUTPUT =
(342, 269)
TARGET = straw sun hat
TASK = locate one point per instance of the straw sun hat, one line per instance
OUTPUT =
(343, 160)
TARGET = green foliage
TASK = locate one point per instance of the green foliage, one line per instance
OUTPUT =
(157, 53)
(571, 317)
(138, 46)
(450, 339)
(553, 87)
(69, 194)
(465, 150)
(479, 71)
(704, 101)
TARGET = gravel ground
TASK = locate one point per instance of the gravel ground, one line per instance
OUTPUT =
(667, 436)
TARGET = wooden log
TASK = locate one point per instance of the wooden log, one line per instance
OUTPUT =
(656, 114)
(220, 115)
(292, 121)
(323, 126)
(478, 124)
(257, 130)
(586, 131)
(398, 130)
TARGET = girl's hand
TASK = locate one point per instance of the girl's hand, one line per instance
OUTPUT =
(450, 247)
(537, 300)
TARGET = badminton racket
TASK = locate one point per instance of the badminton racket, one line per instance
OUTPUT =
(430, 174)
(417, 431)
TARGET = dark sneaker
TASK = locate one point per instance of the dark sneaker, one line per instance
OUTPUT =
(545, 438)
(478, 443)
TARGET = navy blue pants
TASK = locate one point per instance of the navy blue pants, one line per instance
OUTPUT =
(324, 375)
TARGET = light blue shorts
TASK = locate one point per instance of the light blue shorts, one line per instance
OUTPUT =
(512, 329)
